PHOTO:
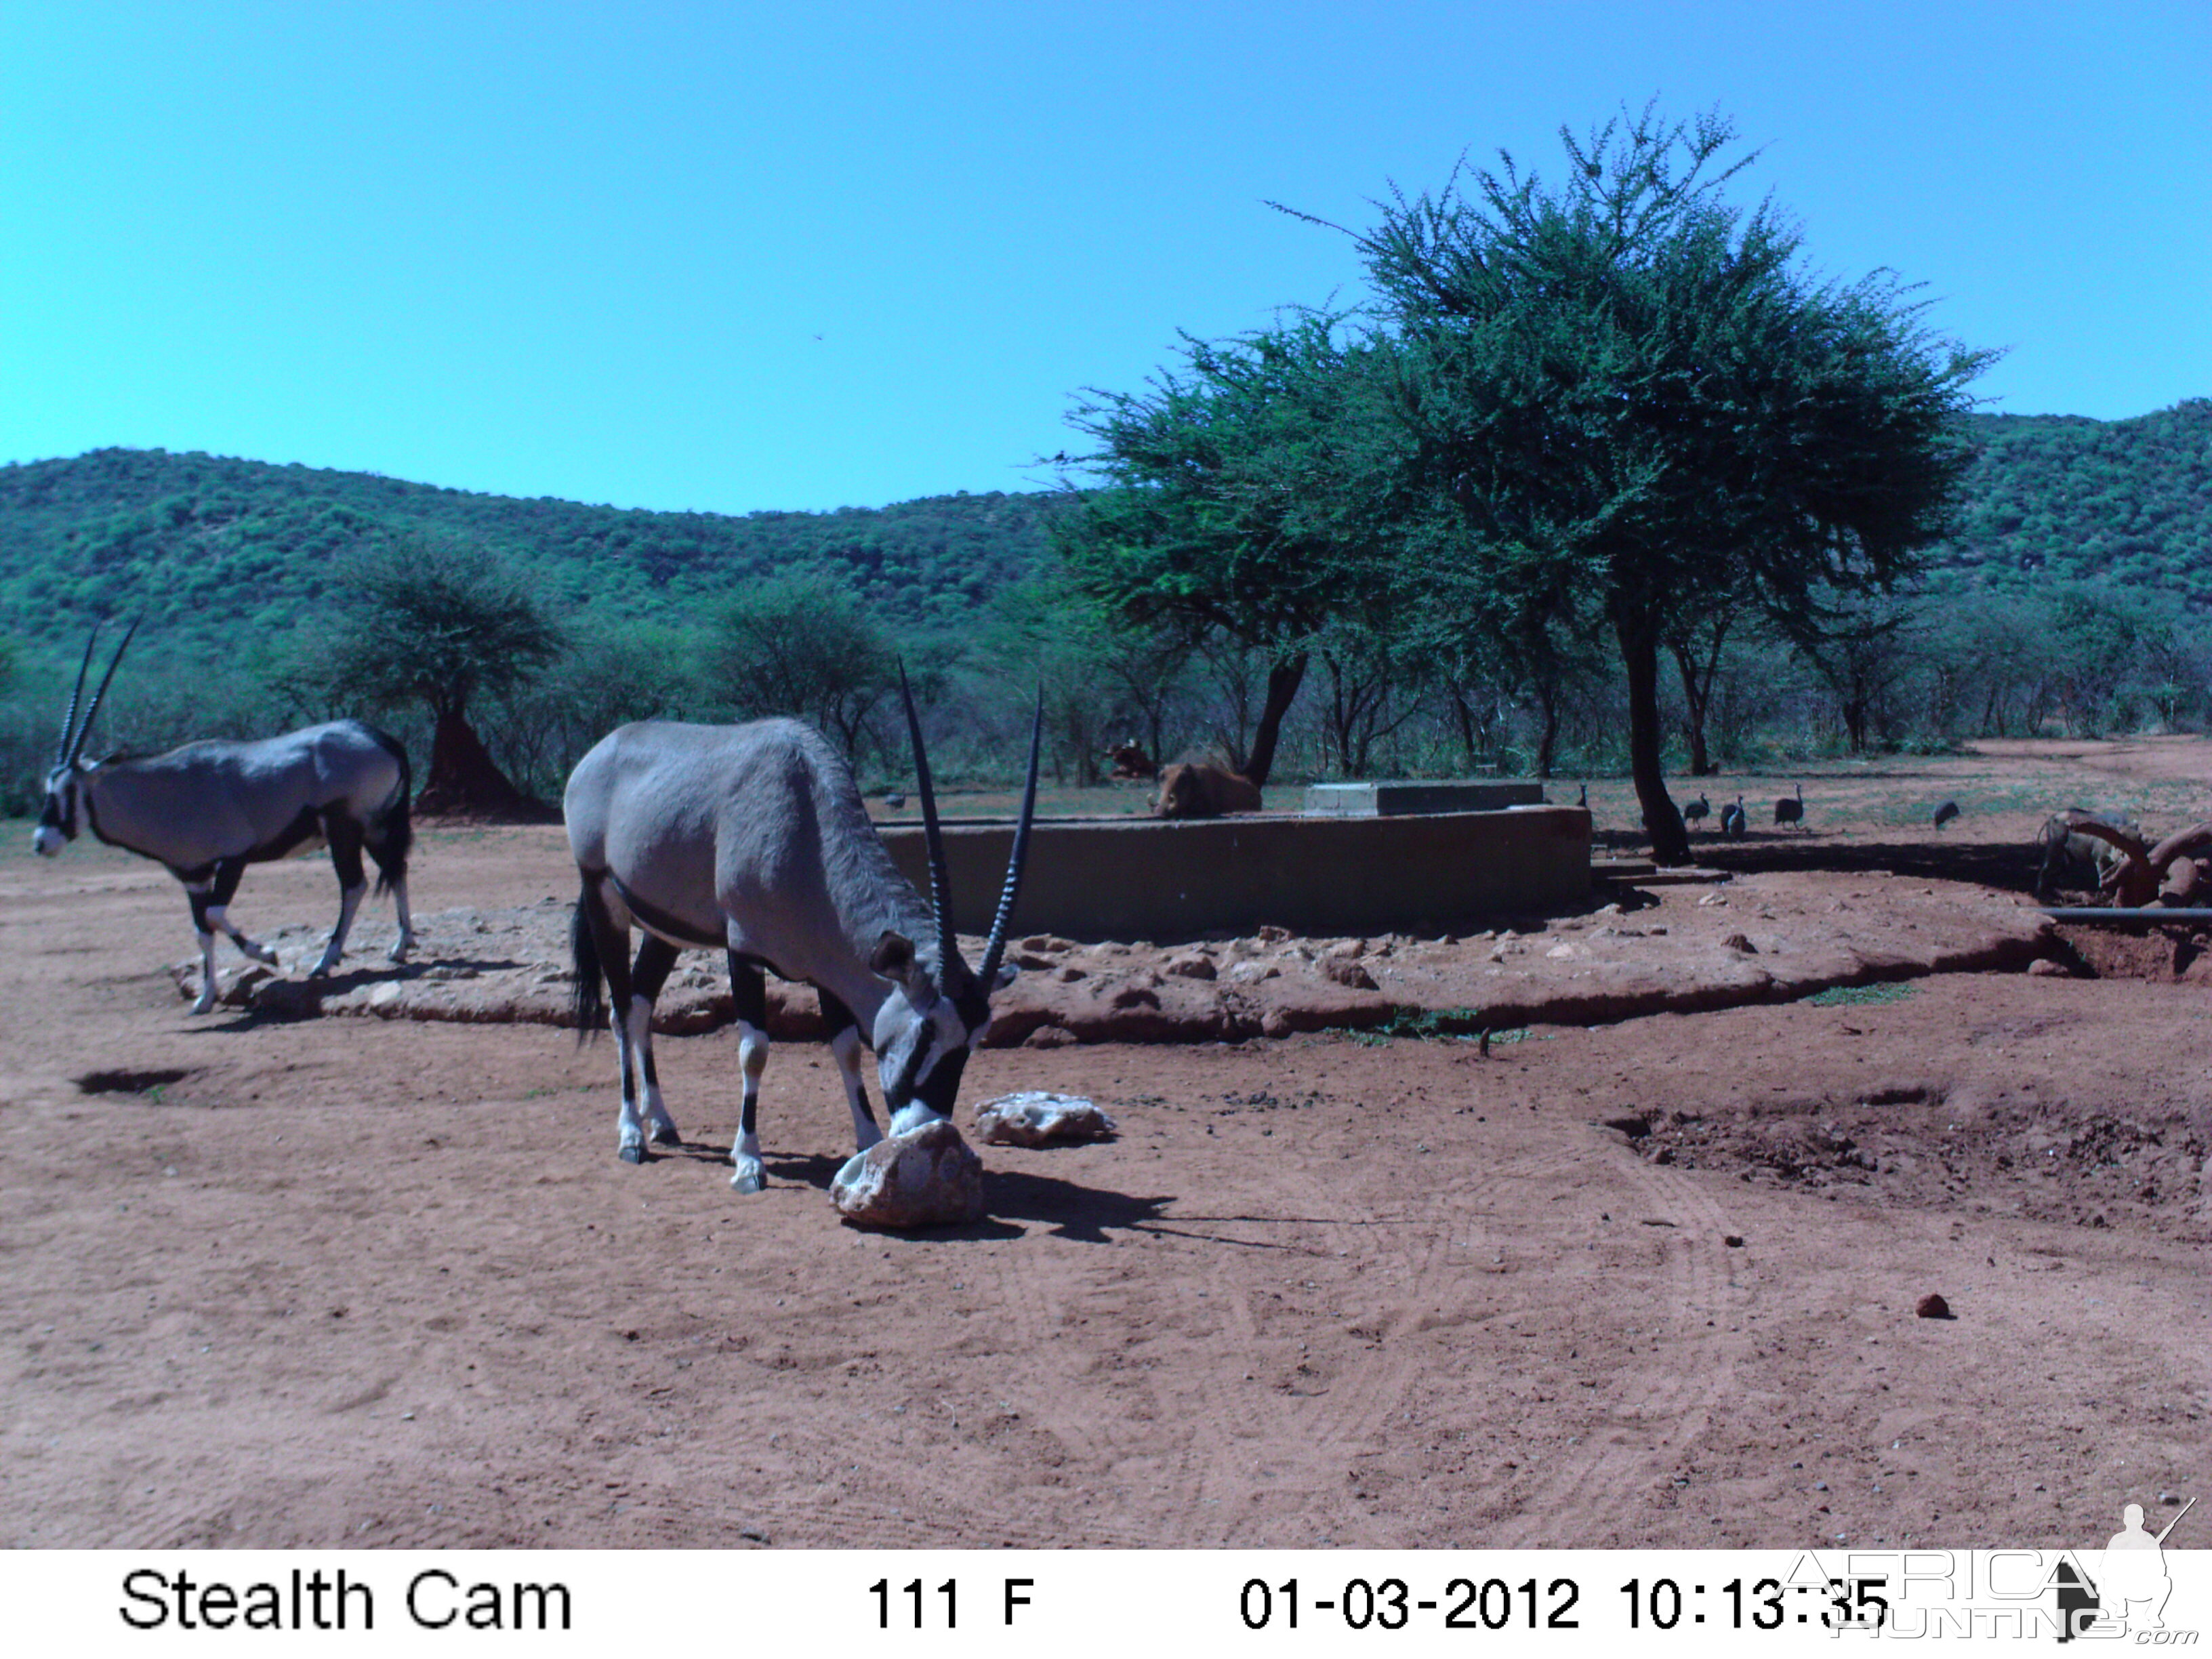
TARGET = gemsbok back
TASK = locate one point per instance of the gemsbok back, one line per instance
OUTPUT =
(753, 840)
(209, 809)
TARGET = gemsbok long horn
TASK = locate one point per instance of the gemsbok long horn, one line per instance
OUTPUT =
(77, 748)
(940, 880)
(69, 720)
(996, 947)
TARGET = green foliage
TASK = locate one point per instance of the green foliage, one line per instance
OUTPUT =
(1432, 1022)
(1630, 388)
(802, 645)
(1859, 996)
(1435, 1025)
(1609, 376)
(1224, 506)
(1245, 499)
(609, 677)
(2057, 499)
(207, 546)
(436, 625)
(1865, 646)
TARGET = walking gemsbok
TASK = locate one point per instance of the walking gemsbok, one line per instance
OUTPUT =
(753, 840)
(209, 809)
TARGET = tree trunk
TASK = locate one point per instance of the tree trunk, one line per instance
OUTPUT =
(1696, 699)
(1466, 729)
(1639, 655)
(1856, 703)
(1284, 679)
(463, 777)
(1548, 741)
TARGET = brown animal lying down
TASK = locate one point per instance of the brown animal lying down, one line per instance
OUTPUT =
(1192, 789)
(1130, 760)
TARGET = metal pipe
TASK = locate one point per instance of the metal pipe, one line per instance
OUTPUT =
(2150, 915)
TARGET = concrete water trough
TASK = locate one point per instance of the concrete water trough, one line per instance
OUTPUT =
(1157, 879)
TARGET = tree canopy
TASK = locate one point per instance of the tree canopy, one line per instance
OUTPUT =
(1241, 499)
(1631, 389)
(440, 625)
(802, 645)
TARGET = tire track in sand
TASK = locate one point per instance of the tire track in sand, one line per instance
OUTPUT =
(1644, 1442)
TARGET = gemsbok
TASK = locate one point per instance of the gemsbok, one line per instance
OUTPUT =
(209, 809)
(753, 840)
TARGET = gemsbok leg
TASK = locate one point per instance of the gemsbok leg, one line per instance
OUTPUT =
(749, 994)
(656, 957)
(210, 902)
(344, 837)
(406, 940)
(389, 835)
(845, 1048)
(608, 936)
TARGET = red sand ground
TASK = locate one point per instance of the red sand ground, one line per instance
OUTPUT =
(275, 1282)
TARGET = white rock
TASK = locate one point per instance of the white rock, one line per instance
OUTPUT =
(1037, 1117)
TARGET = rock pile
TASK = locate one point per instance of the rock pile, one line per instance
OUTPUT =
(1764, 939)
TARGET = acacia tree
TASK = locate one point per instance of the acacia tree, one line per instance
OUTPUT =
(609, 677)
(1636, 387)
(1504, 613)
(802, 645)
(1240, 501)
(441, 625)
(1863, 651)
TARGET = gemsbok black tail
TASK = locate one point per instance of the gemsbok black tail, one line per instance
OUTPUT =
(391, 832)
(588, 1002)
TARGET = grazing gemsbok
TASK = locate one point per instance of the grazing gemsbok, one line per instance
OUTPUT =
(209, 809)
(753, 840)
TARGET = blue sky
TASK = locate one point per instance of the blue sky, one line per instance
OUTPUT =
(733, 257)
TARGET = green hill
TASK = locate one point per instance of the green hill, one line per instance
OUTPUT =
(211, 548)
(2059, 498)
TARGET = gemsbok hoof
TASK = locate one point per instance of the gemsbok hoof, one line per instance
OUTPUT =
(632, 1154)
(664, 1134)
(748, 1180)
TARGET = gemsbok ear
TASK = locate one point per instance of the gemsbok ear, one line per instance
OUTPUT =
(1006, 975)
(893, 956)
